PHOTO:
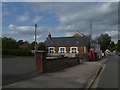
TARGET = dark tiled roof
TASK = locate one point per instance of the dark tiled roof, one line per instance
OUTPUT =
(67, 41)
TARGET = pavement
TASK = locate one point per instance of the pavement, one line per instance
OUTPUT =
(74, 77)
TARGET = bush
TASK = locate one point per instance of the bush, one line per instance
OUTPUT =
(16, 52)
(81, 56)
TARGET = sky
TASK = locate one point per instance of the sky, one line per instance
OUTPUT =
(61, 19)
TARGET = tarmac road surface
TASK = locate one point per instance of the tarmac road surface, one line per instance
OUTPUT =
(17, 69)
(109, 77)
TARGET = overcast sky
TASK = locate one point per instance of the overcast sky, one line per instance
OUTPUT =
(58, 18)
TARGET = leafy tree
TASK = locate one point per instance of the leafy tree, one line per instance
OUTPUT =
(26, 42)
(32, 45)
(104, 41)
(111, 47)
(9, 43)
(41, 46)
(118, 46)
(11, 47)
(20, 42)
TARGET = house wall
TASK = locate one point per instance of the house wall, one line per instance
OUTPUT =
(68, 49)
(56, 49)
(81, 49)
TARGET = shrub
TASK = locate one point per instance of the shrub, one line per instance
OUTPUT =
(16, 52)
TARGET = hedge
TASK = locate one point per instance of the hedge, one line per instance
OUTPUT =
(16, 52)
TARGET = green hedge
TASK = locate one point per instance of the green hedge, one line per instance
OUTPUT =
(16, 52)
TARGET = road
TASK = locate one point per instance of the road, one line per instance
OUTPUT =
(109, 77)
(17, 69)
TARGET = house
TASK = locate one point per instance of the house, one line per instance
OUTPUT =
(76, 44)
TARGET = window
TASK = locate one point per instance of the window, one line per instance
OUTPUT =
(51, 50)
(62, 49)
(73, 50)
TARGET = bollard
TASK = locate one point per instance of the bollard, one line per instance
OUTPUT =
(40, 61)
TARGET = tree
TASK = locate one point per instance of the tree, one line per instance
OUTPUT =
(10, 47)
(32, 45)
(118, 46)
(23, 44)
(104, 41)
(111, 47)
(41, 46)
(26, 42)
(9, 43)
(20, 42)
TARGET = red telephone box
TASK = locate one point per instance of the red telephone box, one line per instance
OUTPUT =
(92, 54)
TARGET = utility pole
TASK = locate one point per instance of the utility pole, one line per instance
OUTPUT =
(35, 39)
(97, 32)
(90, 32)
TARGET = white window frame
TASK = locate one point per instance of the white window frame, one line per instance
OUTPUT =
(51, 50)
(60, 49)
(73, 47)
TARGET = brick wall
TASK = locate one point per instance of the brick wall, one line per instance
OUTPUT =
(81, 49)
(56, 49)
(68, 49)
(60, 63)
(44, 64)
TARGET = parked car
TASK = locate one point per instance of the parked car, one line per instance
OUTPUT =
(107, 52)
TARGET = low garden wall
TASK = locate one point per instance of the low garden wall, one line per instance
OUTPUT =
(60, 63)
(49, 64)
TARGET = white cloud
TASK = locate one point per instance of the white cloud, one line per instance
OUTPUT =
(105, 7)
(21, 29)
(112, 33)
(26, 30)
(11, 26)
(68, 34)
(37, 37)
(37, 19)
(23, 18)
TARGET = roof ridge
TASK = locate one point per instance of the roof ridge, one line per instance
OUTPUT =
(68, 37)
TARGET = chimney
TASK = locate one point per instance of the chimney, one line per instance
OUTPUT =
(49, 36)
